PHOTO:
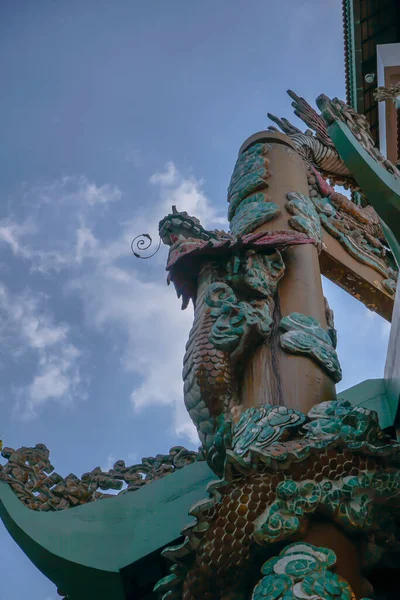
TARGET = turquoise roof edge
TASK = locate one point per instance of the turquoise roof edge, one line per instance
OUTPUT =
(372, 394)
(383, 192)
(381, 187)
(76, 548)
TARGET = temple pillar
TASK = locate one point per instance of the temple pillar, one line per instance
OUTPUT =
(272, 376)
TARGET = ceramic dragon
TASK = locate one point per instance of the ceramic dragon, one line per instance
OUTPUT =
(277, 466)
(233, 301)
(232, 278)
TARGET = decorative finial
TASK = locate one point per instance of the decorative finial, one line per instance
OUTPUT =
(143, 243)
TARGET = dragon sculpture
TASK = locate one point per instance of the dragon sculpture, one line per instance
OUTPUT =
(232, 277)
(277, 466)
(234, 302)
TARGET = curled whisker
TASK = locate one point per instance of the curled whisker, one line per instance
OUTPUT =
(143, 243)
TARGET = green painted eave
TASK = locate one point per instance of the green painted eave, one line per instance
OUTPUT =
(83, 549)
(381, 187)
(373, 395)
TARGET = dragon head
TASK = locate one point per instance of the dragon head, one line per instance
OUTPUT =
(180, 226)
(188, 242)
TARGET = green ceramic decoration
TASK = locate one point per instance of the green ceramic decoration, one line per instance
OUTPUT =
(253, 212)
(304, 335)
(302, 572)
(305, 218)
(280, 468)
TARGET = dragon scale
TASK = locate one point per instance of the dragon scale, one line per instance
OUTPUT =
(207, 374)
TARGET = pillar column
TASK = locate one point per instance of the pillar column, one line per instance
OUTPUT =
(271, 375)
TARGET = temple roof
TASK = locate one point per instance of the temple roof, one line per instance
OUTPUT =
(109, 548)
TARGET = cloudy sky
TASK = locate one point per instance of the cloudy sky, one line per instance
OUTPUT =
(110, 113)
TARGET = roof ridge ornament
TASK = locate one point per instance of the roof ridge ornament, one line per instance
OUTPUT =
(390, 92)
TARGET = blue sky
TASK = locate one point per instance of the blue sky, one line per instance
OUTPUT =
(111, 112)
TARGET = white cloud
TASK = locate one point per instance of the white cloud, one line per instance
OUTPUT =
(168, 177)
(26, 239)
(186, 193)
(74, 189)
(129, 301)
(146, 314)
(76, 196)
(142, 317)
(88, 247)
(12, 232)
(27, 327)
(151, 332)
(86, 244)
(14, 235)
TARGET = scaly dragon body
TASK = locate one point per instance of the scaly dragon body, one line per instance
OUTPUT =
(207, 373)
(233, 303)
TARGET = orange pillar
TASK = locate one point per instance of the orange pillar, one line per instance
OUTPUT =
(273, 376)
